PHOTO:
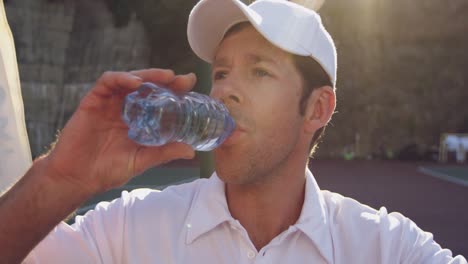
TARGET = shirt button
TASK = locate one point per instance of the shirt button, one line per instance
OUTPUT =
(251, 254)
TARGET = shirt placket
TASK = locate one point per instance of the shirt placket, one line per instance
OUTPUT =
(248, 249)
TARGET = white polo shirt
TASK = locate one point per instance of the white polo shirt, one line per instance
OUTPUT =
(191, 223)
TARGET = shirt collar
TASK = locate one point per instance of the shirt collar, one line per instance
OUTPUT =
(313, 221)
(210, 209)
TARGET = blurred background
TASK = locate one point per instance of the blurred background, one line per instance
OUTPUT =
(402, 65)
(402, 89)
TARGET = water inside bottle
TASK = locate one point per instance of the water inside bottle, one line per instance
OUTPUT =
(156, 116)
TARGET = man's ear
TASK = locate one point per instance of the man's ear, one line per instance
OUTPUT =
(320, 108)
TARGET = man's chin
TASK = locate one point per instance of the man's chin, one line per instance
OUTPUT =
(229, 173)
(231, 164)
(225, 153)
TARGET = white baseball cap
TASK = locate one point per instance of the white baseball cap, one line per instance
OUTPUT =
(287, 25)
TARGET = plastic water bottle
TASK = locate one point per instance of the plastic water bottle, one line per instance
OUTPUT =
(156, 116)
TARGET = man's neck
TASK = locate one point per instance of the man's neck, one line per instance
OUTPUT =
(267, 209)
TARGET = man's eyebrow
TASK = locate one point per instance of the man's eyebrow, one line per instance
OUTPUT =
(251, 58)
(220, 63)
(255, 59)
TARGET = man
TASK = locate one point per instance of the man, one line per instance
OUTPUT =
(262, 205)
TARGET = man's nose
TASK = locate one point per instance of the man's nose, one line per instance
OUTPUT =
(227, 94)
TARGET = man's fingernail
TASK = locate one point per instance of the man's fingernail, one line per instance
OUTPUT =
(189, 156)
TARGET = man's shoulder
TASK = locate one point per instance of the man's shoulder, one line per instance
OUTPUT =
(355, 226)
(342, 209)
(147, 204)
(173, 197)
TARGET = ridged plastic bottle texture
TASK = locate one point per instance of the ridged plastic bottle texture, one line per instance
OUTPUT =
(156, 116)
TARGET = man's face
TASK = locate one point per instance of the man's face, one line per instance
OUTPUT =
(261, 87)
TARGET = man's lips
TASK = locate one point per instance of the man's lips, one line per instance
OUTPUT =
(235, 135)
(240, 128)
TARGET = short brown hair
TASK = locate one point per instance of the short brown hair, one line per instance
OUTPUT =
(313, 77)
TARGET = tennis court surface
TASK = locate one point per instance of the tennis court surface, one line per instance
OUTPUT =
(455, 174)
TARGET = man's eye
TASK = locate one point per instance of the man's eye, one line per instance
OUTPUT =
(219, 75)
(261, 73)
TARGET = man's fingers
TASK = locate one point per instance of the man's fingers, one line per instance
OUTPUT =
(152, 156)
(113, 82)
(178, 83)
(161, 76)
(123, 82)
(183, 83)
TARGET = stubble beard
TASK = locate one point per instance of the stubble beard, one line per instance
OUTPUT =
(251, 167)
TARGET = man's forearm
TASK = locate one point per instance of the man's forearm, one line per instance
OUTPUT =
(31, 209)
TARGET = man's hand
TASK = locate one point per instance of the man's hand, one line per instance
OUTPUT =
(93, 152)
(91, 155)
